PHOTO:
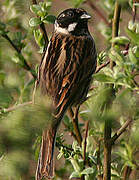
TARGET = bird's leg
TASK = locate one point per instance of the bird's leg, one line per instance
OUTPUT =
(74, 117)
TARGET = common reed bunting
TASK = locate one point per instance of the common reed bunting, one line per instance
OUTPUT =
(65, 75)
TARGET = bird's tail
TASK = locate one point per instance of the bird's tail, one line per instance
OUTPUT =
(45, 167)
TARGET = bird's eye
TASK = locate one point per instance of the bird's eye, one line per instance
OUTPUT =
(70, 14)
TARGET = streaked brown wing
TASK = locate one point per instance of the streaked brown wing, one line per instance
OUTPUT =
(66, 69)
(75, 72)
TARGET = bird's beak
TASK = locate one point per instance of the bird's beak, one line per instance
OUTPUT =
(85, 16)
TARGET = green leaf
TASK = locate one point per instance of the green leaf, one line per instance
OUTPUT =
(132, 57)
(103, 78)
(75, 175)
(75, 164)
(46, 6)
(39, 37)
(34, 21)
(49, 19)
(15, 59)
(35, 8)
(88, 171)
(116, 57)
(134, 36)
(120, 40)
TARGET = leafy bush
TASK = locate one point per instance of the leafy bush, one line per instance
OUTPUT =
(111, 111)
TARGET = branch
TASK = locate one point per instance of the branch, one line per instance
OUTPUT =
(102, 66)
(126, 173)
(120, 131)
(115, 26)
(74, 118)
(25, 64)
(99, 161)
(107, 128)
(15, 107)
(97, 10)
(85, 143)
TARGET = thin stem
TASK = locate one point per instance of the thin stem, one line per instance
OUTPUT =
(126, 173)
(107, 128)
(120, 131)
(102, 66)
(15, 107)
(99, 162)
(107, 151)
(115, 25)
(11, 42)
(85, 143)
(25, 64)
(74, 117)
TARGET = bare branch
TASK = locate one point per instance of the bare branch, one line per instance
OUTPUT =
(25, 64)
(120, 131)
(102, 66)
(115, 26)
(107, 128)
(85, 143)
(15, 107)
(74, 118)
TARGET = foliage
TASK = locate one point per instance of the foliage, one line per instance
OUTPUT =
(21, 125)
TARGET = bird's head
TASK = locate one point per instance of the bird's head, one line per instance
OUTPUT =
(72, 21)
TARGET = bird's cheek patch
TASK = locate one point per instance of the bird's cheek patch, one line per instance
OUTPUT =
(71, 27)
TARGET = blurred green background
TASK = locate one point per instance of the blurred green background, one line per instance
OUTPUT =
(21, 127)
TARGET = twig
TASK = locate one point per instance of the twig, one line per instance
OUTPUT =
(84, 152)
(102, 66)
(126, 173)
(25, 64)
(107, 151)
(90, 3)
(107, 128)
(74, 117)
(135, 83)
(99, 161)
(15, 107)
(115, 26)
(120, 131)
(85, 143)
(11, 42)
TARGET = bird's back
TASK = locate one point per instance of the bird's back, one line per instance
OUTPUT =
(67, 67)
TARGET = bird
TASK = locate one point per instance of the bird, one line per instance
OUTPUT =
(65, 75)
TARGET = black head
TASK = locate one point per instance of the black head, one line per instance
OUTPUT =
(73, 20)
